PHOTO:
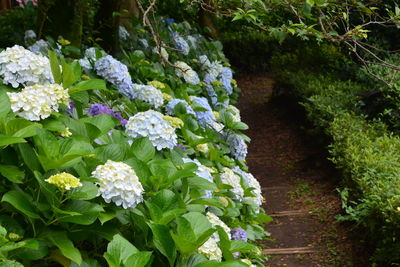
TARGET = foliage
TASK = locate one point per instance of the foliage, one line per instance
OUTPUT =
(79, 189)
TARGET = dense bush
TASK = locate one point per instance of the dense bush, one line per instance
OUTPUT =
(362, 146)
(129, 162)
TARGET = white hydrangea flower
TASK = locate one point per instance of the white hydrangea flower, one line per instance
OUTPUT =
(251, 181)
(230, 178)
(123, 33)
(36, 102)
(119, 183)
(184, 71)
(211, 250)
(152, 125)
(237, 146)
(29, 37)
(216, 221)
(235, 112)
(149, 94)
(21, 66)
(203, 172)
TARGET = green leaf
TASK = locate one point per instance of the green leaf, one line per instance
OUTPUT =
(68, 75)
(163, 241)
(143, 149)
(93, 84)
(222, 264)
(89, 212)
(201, 183)
(10, 263)
(241, 246)
(55, 67)
(139, 259)
(118, 251)
(47, 142)
(29, 157)
(87, 191)
(61, 240)
(12, 173)
(199, 222)
(8, 140)
(21, 128)
(21, 202)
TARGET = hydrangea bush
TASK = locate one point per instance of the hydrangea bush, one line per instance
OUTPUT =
(125, 161)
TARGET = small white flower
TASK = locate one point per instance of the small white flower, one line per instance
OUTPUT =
(119, 183)
(251, 181)
(216, 221)
(152, 125)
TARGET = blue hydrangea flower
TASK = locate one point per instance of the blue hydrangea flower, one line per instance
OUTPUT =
(237, 146)
(180, 44)
(116, 73)
(169, 20)
(239, 234)
(170, 107)
(225, 78)
(205, 118)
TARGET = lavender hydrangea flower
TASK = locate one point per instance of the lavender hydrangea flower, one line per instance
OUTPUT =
(170, 107)
(239, 234)
(96, 109)
(237, 146)
(116, 73)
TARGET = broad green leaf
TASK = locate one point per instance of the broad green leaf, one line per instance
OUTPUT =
(9, 140)
(118, 251)
(21, 128)
(199, 222)
(89, 212)
(163, 241)
(12, 173)
(29, 157)
(67, 248)
(68, 74)
(47, 142)
(139, 259)
(201, 183)
(21, 202)
(87, 191)
(55, 67)
(93, 84)
(143, 149)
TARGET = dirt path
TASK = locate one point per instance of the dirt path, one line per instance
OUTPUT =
(297, 183)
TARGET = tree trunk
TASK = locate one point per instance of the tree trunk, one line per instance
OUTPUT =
(206, 20)
(133, 11)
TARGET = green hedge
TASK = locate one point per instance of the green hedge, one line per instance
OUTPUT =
(363, 148)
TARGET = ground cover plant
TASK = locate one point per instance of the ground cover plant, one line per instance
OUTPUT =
(128, 161)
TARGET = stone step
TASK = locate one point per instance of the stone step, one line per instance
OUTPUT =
(290, 213)
(284, 251)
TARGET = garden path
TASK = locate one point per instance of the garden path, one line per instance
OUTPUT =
(296, 181)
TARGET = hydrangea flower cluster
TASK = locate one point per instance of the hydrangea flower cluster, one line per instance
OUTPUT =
(96, 109)
(116, 73)
(205, 118)
(237, 146)
(39, 47)
(211, 250)
(119, 183)
(203, 172)
(38, 101)
(29, 37)
(149, 94)
(180, 44)
(123, 33)
(230, 178)
(64, 181)
(174, 121)
(90, 56)
(251, 181)
(215, 71)
(19, 66)
(170, 107)
(184, 71)
(216, 221)
(152, 125)
(239, 234)
(235, 112)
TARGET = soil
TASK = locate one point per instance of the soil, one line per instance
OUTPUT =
(299, 184)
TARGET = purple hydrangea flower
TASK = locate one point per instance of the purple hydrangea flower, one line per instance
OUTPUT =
(96, 109)
(239, 234)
